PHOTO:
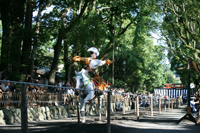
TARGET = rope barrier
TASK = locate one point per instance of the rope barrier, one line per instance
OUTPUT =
(26, 83)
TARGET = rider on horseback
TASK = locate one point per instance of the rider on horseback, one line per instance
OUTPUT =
(91, 64)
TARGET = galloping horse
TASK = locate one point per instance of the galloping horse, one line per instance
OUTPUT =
(87, 92)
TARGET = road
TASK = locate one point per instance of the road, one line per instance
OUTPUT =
(120, 123)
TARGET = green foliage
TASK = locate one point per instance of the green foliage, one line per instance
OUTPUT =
(83, 24)
(170, 77)
(180, 28)
(119, 83)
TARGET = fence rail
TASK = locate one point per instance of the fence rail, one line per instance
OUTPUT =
(13, 99)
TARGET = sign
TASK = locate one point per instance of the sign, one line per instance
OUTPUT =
(192, 85)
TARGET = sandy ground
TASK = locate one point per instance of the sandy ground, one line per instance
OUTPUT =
(120, 123)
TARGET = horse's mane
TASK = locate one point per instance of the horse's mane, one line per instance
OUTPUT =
(83, 71)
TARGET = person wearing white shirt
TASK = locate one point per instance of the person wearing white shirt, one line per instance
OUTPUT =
(5, 87)
(91, 64)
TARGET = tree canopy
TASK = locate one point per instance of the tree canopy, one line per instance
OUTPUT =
(180, 30)
(50, 38)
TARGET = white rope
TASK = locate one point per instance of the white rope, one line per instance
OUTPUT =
(17, 82)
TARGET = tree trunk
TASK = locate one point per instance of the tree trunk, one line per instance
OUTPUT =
(17, 23)
(25, 58)
(35, 44)
(57, 50)
(12, 14)
(6, 37)
(62, 34)
(66, 62)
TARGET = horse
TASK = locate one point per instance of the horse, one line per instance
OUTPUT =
(87, 92)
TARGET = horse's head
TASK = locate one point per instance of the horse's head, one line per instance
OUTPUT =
(78, 79)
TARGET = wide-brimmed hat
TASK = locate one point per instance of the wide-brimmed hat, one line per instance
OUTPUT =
(93, 49)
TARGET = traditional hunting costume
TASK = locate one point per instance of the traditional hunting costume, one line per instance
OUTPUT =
(91, 64)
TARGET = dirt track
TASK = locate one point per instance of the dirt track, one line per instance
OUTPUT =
(164, 122)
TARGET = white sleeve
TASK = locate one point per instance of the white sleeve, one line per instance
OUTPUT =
(95, 63)
(101, 63)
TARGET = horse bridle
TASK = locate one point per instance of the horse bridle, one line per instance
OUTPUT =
(89, 80)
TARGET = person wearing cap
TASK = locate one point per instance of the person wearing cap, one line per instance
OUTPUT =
(91, 64)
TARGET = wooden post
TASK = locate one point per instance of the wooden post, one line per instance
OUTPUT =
(176, 103)
(135, 104)
(108, 110)
(64, 99)
(169, 104)
(24, 122)
(151, 106)
(73, 101)
(144, 105)
(160, 105)
(165, 104)
(198, 119)
(78, 114)
(138, 114)
(182, 100)
(172, 103)
(99, 107)
(124, 106)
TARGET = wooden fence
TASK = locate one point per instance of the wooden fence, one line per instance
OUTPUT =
(13, 100)
(35, 100)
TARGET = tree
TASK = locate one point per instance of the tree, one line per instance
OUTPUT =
(27, 39)
(170, 77)
(71, 27)
(12, 16)
(180, 28)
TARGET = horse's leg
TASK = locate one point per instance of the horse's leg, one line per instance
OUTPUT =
(91, 107)
(88, 97)
(82, 110)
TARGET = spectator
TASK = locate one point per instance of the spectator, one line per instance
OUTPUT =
(17, 88)
(12, 87)
(118, 106)
(143, 104)
(5, 86)
(30, 88)
(0, 87)
(66, 84)
(29, 79)
(70, 91)
(184, 99)
(133, 103)
(58, 89)
(72, 84)
(193, 102)
(36, 88)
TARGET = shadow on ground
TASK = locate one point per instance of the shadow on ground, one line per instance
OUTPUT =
(91, 127)
(119, 124)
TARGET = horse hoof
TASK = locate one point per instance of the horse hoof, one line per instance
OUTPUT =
(91, 113)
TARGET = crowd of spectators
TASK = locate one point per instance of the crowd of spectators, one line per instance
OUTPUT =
(7, 87)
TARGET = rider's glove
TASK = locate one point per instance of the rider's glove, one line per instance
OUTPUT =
(77, 58)
(108, 62)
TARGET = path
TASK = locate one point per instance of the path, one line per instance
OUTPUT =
(159, 123)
